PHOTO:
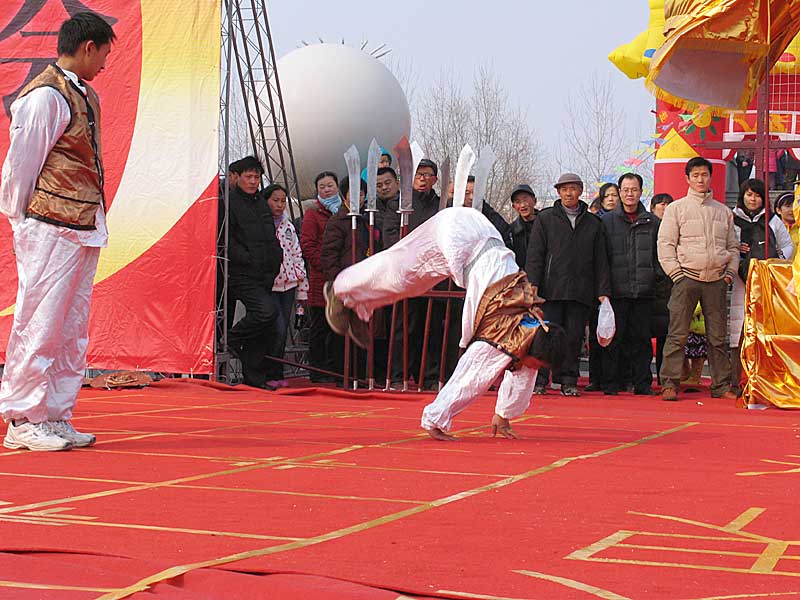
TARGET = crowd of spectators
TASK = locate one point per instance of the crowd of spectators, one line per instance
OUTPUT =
(663, 268)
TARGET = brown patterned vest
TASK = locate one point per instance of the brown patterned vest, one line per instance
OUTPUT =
(69, 189)
(497, 320)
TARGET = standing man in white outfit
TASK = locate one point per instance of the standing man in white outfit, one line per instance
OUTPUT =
(52, 193)
(501, 328)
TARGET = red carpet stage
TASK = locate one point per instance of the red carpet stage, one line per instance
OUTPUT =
(199, 491)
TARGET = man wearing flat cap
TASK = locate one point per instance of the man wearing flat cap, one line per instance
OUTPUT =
(567, 264)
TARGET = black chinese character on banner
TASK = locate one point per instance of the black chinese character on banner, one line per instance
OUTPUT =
(26, 13)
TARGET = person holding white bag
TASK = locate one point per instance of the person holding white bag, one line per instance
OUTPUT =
(568, 266)
(631, 237)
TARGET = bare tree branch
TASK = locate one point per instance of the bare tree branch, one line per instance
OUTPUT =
(446, 118)
(594, 135)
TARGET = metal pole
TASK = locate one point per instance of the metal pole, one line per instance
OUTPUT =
(222, 343)
(390, 352)
(291, 184)
(403, 232)
(764, 125)
(425, 338)
(371, 348)
(447, 310)
(353, 259)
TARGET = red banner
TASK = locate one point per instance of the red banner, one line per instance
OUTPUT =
(153, 306)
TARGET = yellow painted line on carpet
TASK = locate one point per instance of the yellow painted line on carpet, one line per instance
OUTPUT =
(753, 595)
(177, 571)
(154, 485)
(43, 586)
(165, 410)
(575, 585)
(654, 563)
(470, 596)
(215, 488)
(733, 527)
(304, 465)
(744, 519)
(61, 520)
(691, 550)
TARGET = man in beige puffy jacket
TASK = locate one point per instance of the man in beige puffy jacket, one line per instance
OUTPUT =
(698, 250)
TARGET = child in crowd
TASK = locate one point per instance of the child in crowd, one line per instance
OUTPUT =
(291, 284)
(696, 348)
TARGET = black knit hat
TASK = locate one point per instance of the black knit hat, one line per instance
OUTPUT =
(427, 162)
(523, 188)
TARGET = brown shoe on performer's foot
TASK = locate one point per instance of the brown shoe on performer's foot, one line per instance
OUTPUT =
(359, 331)
(669, 394)
(336, 313)
(440, 435)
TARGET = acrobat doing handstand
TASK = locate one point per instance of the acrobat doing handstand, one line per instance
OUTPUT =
(502, 327)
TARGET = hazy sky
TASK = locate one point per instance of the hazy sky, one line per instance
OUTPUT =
(540, 48)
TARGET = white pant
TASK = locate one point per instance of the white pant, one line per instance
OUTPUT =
(46, 353)
(476, 370)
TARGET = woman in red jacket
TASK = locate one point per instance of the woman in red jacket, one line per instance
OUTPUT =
(322, 341)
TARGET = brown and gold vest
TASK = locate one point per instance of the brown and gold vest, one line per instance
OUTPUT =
(69, 189)
(500, 311)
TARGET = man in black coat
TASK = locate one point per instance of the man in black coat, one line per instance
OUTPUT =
(523, 201)
(255, 257)
(387, 188)
(631, 238)
(568, 266)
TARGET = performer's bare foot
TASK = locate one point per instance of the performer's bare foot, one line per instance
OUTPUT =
(503, 427)
(440, 435)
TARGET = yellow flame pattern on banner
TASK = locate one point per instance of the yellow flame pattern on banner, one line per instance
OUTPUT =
(175, 143)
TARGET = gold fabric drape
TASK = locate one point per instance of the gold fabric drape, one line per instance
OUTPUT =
(718, 51)
(771, 341)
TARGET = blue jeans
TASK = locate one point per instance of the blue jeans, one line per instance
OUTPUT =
(284, 302)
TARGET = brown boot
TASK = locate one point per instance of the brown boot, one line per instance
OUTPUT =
(695, 371)
(669, 394)
(685, 369)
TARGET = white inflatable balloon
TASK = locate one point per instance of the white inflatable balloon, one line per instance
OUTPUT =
(336, 96)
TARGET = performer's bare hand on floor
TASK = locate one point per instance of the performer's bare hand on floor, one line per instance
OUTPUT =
(503, 427)
(440, 435)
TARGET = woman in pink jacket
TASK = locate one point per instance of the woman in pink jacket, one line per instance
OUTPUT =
(291, 284)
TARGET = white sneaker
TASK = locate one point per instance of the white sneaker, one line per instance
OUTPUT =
(34, 436)
(65, 430)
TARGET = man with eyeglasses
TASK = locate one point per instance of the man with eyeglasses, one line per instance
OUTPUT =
(631, 238)
(424, 202)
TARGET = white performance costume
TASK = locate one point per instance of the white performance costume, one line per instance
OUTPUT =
(462, 244)
(46, 353)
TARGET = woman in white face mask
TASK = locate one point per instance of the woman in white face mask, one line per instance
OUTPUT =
(322, 351)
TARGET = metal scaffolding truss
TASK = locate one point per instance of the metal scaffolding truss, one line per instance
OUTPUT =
(248, 69)
(254, 57)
